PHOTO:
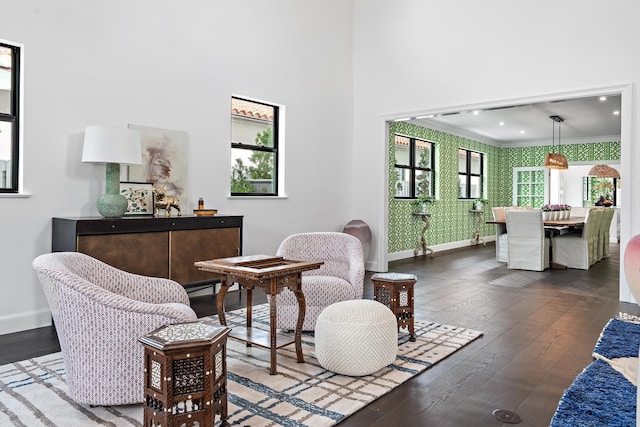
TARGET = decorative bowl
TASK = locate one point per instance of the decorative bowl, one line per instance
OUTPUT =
(205, 212)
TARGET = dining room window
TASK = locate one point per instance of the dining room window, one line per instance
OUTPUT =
(470, 178)
(413, 167)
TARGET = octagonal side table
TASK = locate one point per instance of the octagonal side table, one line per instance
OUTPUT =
(395, 290)
(185, 379)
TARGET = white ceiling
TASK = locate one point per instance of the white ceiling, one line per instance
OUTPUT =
(586, 119)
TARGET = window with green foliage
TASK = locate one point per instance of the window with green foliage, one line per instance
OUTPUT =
(9, 117)
(413, 168)
(254, 148)
(470, 167)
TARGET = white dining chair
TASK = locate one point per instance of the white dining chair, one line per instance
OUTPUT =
(502, 254)
(604, 233)
(579, 250)
(528, 245)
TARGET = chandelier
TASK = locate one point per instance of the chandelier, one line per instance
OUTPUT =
(555, 160)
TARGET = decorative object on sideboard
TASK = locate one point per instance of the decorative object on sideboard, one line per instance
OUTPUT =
(164, 201)
(112, 146)
(139, 197)
(205, 212)
(555, 160)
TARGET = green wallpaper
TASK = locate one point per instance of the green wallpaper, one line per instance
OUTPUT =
(451, 220)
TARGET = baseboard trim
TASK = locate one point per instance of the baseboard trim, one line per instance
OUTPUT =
(24, 321)
(438, 248)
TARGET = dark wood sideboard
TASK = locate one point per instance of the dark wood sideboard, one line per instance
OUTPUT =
(160, 247)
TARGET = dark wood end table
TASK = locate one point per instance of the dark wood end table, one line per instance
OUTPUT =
(395, 290)
(271, 274)
(185, 379)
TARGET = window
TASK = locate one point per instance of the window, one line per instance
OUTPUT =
(470, 167)
(9, 117)
(254, 148)
(413, 167)
(530, 186)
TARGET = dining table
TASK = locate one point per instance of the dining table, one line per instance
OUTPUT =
(574, 221)
(553, 226)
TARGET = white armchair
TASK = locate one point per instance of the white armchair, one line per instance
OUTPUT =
(579, 250)
(99, 313)
(340, 278)
(528, 246)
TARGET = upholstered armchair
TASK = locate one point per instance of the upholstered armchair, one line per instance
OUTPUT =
(528, 247)
(340, 278)
(99, 313)
(580, 250)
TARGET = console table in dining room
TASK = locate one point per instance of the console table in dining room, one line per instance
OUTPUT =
(476, 238)
(422, 245)
(271, 274)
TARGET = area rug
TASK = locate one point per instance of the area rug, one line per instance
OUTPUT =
(604, 394)
(34, 392)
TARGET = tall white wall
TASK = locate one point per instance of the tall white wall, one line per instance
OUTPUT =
(174, 65)
(413, 57)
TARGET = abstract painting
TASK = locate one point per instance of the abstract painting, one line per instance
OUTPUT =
(164, 161)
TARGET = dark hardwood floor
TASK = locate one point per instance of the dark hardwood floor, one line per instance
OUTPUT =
(539, 331)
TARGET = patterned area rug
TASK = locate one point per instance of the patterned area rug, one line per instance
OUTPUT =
(604, 394)
(34, 392)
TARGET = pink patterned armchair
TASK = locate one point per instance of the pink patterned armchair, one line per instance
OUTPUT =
(99, 313)
(340, 278)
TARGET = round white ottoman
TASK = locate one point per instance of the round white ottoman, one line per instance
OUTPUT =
(356, 337)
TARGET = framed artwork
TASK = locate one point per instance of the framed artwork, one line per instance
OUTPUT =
(164, 162)
(139, 196)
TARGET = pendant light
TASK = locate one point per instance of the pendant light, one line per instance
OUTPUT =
(555, 160)
(604, 171)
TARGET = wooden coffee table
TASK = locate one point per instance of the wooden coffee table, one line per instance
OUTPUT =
(271, 274)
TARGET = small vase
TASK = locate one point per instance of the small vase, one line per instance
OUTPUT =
(546, 215)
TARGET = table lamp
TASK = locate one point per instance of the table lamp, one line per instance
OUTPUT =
(112, 146)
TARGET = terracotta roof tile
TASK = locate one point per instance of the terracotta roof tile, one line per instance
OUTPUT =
(251, 109)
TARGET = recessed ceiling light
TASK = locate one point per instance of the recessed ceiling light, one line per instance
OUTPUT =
(501, 123)
(521, 131)
(603, 98)
(476, 112)
(616, 113)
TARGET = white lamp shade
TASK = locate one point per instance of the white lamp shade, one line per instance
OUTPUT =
(111, 145)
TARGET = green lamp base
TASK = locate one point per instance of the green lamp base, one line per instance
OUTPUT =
(112, 205)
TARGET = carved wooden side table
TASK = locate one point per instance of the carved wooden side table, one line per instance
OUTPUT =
(185, 368)
(395, 290)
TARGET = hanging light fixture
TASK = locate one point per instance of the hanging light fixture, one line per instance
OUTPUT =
(555, 160)
(604, 171)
